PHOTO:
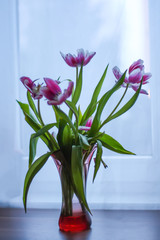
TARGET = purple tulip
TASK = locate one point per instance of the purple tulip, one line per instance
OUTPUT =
(31, 87)
(136, 72)
(82, 58)
(53, 92)
(88, 125)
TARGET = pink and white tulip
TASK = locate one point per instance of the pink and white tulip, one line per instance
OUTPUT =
(136, 72)
(53, 92)
(82, 58)
(32, 87)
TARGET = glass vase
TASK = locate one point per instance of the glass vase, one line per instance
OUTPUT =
(73, 216)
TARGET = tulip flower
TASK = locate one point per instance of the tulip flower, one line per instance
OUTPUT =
(82, 58)
(136, 72)
(53, 92)
(88, 125)
(31, 87)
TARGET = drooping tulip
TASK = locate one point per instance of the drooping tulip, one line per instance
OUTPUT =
(53, 92)
(32, 87)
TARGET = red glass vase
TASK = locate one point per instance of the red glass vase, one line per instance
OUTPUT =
(75, 221)
(73, 217)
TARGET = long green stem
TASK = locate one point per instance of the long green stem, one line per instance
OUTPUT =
(53, 141)
(74, 115)
(70, 112)
(76, 75)
(67, 193)
(108, 118)
(119, 102)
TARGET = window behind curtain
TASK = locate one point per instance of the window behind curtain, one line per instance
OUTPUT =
(119, 32)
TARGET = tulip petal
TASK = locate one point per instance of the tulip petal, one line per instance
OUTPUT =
(84, 128)
(80, 56)
(146, 76)
(37, 96)
(62, 97)
(135, 88)
(89, 122)
(135, 65)
(71, 60)
(47, 93)
(117, 73)
(31, 87)
(88, 57)
(28, 83)
(52, 86)
(135, 76)
(69, 89)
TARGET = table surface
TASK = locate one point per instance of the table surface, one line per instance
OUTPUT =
(106, 224)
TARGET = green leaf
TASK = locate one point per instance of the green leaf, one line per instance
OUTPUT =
(98, 159)
(96, 137)
(25, 109)
(77, 174)
(32, 105)
(78, 87)
(61, 127)
(64, 138)
(32, 149)
(56, 114)
(84, 142)
(73, 108)
(34, 139)
(79, 115)
(127, 106)
(66, 118)
(33, 123)
(92, 106)
(111, 144)
(32, 171)
(102, 103)
(44, 129)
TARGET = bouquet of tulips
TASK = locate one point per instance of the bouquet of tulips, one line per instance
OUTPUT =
(78, 133)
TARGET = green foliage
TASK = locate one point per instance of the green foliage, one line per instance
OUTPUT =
(34, 124)
(78, 88)
(113, 145)
(65, 139)
(126, 107)
(32, 171)
(102, 103)
(32, 105)
(72, 145)
(32, 148)
(98, 158)
(84, 142)
(79, 115)
(73, 108)
(77, 174)
(26, 110)
(66, 118)
(34, 139)
(92, 106)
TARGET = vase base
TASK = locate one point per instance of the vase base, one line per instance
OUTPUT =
(75, 223)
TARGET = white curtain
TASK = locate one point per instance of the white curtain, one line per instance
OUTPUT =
(120, 32)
